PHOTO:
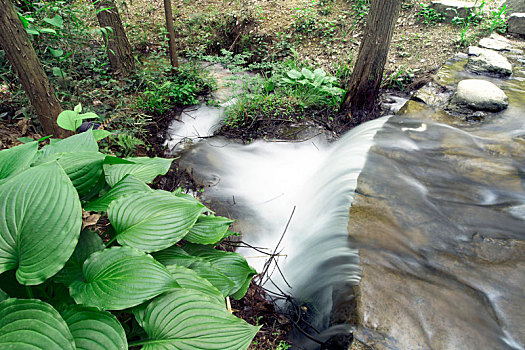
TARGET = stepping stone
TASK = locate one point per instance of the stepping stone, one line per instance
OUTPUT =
(496, 42)
(480, 95)
(483, 61)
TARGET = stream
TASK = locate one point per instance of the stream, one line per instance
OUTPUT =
(409, 231)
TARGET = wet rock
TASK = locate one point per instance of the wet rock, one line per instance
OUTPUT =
(517, 24)
(432, 94)
(480, 95)
(483, 61)
(452, 8)
(496, 42)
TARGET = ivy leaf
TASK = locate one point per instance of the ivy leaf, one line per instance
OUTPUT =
(121, 277)
(56, 21)
(32, 324)
(88, 243)
(144, 168)
(93, 329)
(56, 53)
(128, 185)
(189, 319)
(40, 221)
(208, 229)
(153, 222)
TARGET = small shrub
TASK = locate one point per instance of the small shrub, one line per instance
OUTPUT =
(429, 15)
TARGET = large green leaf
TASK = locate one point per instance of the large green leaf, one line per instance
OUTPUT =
(40, 221)
(190, 320)
(189, 279)
(145, 169)
(119, 278)
(17, 158)
(32, 324)
(88, 243)
(231, 264)
(151, 222)
(93, 329)
(83, 168)
(208, 229)
(128, 185)
(3, 295)
(83, 142)
(173, 257)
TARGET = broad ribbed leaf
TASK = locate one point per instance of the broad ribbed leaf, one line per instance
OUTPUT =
(17, 158)
(40, 221)
(119, 278)
(128, 185)
(93, 329)
(3, 295)
(232, 265)
(32, 324)
(145, 169)
(151, 222)
(190, 320)
(189, 279)
(88, 243)
(208, 229)
(83, 142)
(83, 168)
(175, 256)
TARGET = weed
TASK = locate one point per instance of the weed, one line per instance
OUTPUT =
(430, 16)
(497, 21)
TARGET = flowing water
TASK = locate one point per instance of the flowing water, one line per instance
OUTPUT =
(409, 231)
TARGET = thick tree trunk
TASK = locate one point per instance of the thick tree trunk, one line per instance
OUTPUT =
(15, 42)
(363, 89)
(117, 44)
(172, 49)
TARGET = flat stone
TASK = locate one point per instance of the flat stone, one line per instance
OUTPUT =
(517, 24)
(496, 42)
(452, 8)
(480, 95)
(483, 61)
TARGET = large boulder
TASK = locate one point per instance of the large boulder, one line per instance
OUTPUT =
(483, 61)
(515, 6)
(517, 23)
(452, 8)
(480, 95)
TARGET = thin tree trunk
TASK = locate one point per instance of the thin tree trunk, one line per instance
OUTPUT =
(172, 49)
(15, 42)
(117, 44)
(363, 89)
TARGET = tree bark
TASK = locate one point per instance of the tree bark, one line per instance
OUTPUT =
(22, 56)
(117, 44)
(363, 89)
(172, 48)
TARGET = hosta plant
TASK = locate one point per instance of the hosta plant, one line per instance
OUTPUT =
(153, 279)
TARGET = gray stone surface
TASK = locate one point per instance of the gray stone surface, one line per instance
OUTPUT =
(483, 61)
(514, 6)
(480, 95)
(496, 42)
(517, 24)
(452, 8)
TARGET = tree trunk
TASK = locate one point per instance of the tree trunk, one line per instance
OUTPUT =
(363, 89)
(172, 49)
(117, 44)
(21, 54)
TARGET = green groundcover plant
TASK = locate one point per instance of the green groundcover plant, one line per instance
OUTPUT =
(64, 287)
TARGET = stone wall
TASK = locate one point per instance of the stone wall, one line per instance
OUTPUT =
(514, 6)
